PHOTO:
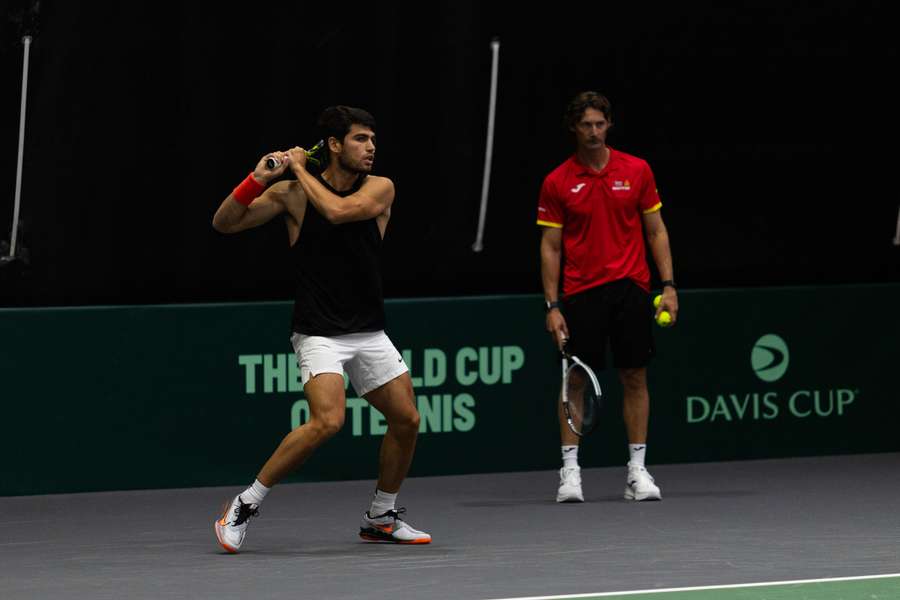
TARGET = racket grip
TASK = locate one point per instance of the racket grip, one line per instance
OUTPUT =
(273, 163)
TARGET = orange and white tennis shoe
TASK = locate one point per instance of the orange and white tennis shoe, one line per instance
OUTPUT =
(232, 526)
(388, 527)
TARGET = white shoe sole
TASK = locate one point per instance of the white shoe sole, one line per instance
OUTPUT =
(373, 533)
(569, 498)
(641, 496)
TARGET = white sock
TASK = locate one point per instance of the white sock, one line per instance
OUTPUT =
(255, 494)
(570, 456)
(381, 503)
(636, 454)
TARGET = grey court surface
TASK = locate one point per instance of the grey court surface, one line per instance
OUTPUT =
(495, 536)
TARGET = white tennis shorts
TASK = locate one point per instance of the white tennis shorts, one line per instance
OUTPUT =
(369, 358)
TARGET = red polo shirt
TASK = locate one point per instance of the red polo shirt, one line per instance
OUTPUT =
(600, 213)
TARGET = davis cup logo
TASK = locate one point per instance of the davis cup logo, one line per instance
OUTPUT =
(770, 358)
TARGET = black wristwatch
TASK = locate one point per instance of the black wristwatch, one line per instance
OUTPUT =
(548, 306)
(668, 283)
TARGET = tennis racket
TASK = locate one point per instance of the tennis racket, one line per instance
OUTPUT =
(581, 395)
(273, 163)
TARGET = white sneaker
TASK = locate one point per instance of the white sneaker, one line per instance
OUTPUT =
(232, 526)
(639, 485)
(390, 528)
(570, 485)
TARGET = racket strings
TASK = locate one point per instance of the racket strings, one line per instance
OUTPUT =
(583, 402)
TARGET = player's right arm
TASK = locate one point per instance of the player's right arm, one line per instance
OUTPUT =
(550, 217)
(233, 216)
(551, 255)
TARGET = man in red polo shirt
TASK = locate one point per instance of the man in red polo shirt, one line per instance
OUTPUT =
(594, 210)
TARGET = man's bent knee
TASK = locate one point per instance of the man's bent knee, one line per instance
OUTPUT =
(407, 420)
(327, 427)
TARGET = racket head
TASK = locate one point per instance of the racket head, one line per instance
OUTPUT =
(581, 396)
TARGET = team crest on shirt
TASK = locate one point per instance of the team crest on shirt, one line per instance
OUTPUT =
(620, 186)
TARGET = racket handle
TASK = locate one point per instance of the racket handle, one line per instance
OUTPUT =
(273, 163)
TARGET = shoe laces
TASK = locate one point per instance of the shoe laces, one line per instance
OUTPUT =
(636, 472)
(394, 513)
(573, 473)
(242, 512)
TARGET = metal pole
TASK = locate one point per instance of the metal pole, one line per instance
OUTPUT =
(489, 151)
(26, 41)
(897, 235)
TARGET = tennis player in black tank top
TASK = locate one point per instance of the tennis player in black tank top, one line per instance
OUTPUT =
(335, 223)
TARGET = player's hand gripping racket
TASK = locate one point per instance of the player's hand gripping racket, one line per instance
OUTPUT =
(273, 163)
(581, 395)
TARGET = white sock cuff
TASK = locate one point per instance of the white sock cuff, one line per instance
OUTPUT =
(570, 456)
(382, 502)
(636, 454)
(255, 494)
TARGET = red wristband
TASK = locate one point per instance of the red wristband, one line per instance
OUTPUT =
(248, 190)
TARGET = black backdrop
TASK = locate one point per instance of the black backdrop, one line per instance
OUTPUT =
(770, 126)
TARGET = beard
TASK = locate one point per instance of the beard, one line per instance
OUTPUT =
(357, 168)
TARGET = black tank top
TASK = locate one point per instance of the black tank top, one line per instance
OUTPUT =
(338, 274)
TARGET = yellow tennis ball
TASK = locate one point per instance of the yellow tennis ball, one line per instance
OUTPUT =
(656, 301)
(664, 319)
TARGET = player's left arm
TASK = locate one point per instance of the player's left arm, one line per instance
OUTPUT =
(374, 197)
(658, 240)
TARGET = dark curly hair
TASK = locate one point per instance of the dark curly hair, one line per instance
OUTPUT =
(582, 102)
(336, 121)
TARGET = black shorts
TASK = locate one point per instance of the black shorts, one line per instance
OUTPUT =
(619, 314)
